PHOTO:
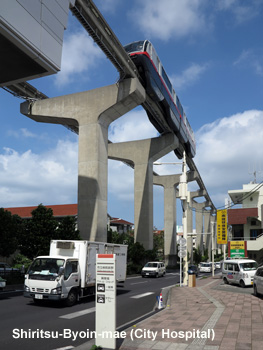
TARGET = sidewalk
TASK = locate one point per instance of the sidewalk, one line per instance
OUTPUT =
(204, 317)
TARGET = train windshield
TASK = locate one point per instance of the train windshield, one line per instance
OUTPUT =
(135, 47)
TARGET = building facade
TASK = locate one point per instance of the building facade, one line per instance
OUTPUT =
(246, 221)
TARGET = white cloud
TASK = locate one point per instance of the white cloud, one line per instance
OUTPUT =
(134, 125)
(189, 76)
(80, 54)
(225, 150)
(243, 11)
(252, 59)
(170, 19)
(25, 133)
(29, 179)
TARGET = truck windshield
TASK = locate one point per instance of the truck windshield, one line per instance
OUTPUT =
(45, 266)
(249, 266)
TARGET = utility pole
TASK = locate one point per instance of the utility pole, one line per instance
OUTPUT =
(213, 252)
(183, 197)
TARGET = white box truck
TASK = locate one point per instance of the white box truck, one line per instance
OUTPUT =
(69, 271)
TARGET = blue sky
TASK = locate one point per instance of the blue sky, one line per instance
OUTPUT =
(213, 54)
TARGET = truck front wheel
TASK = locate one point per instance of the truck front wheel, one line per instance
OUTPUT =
(72, 298)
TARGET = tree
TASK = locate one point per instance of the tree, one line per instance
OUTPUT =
(67, 229)
(197, 255)
(42, 228)
(38, 232)
(205, 256)
(10, 229)
(158, 244)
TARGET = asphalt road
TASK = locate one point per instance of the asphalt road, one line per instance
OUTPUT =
(27, 326)
(49, 326)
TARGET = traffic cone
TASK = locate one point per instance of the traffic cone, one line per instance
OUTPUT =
(160, 304)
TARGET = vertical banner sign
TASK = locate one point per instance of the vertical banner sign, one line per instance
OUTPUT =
(106, 301)
(221, 218)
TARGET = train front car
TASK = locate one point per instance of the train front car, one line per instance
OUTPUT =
(159, 88)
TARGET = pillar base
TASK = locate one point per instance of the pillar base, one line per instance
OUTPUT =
(170, 260)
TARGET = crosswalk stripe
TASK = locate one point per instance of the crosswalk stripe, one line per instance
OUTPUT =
(142, 295)
(78, 313)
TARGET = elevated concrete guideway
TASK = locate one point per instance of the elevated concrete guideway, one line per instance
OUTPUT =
(89, 114)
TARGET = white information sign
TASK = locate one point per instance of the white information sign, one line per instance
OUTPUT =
(182, 254)
(106, 301)
(182, 242)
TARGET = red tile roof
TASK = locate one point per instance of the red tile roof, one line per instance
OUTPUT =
(58, 210)
(120, 221)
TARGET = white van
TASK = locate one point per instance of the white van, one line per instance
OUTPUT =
(206, 267)
(239, 271)
(153, 269)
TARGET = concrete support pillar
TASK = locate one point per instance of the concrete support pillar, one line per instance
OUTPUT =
(199, 224)
(207, 229)
(92, 112)
(169, 183)
(143, 153)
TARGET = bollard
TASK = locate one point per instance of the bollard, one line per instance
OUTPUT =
(160, 301)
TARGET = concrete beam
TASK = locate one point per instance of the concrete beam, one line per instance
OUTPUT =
(92, 111)
(192, 176)
(143, 153)
(169, 183)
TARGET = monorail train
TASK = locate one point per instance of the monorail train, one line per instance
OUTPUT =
(160, 89)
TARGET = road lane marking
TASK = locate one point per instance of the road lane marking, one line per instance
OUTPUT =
(78, 313)
(139, 283)
(142, 295)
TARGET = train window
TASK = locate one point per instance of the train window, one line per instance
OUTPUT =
(166, 79)
(134, 47)
(155, 59)
(174, 95)
(148, 48)
(179, 106)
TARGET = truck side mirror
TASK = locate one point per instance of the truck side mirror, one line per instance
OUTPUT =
(61, 270)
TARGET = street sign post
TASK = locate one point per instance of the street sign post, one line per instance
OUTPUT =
(106, 301)
(182, 254)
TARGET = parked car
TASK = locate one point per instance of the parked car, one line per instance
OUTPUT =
(6, 269)
(239, 271)
(153, 269)
(2, 283)
(193, 270)
(258, 281)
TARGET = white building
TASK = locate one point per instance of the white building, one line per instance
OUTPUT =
(246, 221)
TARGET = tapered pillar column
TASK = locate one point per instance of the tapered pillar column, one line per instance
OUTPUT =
(142, 154)
(207, 229)
(169, 183)
(91, 112)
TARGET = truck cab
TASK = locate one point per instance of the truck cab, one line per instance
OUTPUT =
(53, 278)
